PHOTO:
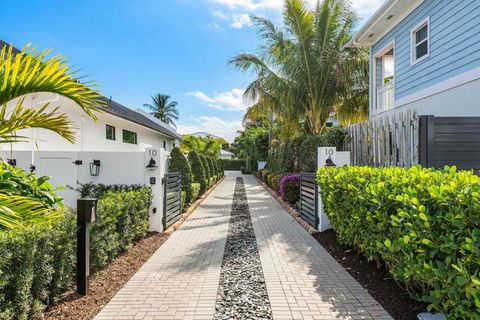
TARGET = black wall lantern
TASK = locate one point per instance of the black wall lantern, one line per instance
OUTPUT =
(95, 168)
(152, 165)
(12, 162)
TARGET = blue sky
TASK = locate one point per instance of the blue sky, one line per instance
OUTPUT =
(134, 49)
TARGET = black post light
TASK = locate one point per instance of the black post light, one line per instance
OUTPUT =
(86, 214)
(95, 168)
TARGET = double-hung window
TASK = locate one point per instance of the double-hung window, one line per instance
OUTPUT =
(421, 41)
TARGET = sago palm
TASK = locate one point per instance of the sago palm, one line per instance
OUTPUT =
(304, 68)
(163, 109)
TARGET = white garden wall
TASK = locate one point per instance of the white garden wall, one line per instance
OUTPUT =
(115, 168)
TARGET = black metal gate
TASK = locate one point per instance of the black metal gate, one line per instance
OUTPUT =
(308, 198)
(172, 200)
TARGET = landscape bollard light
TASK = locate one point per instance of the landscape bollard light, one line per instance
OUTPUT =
(86, 213)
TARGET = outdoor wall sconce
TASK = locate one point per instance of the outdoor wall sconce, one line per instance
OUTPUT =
(152, 165)
(32, 168)
(95, 168)
(329, 162)
(12, 162)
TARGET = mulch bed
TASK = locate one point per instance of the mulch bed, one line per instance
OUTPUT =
(375, 279)
(107, 282)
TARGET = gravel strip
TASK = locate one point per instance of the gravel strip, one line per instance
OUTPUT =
(242, 293)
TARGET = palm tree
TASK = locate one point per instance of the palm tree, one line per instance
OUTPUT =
(23, 73)
(163, 109)
(304, 73)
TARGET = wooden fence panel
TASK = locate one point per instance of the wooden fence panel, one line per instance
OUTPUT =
(391, 140)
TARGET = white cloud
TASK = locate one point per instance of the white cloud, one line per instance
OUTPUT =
(366, 8)
(238, 11)
(228, 100)
(240, 20)
(213, 125)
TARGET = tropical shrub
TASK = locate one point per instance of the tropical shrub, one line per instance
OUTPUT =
(290, 188)
(178, 163)
(195, 191)
(25, 198)
(198, 172)
(423, 223)
(299, 154)
(222, 169)
(208, 174)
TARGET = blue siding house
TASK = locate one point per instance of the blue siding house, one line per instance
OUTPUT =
(424, 56)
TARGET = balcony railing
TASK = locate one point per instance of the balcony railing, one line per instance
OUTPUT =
(386, 97)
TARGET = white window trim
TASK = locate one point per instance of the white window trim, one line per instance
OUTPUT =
(379, 53)
(413, 45)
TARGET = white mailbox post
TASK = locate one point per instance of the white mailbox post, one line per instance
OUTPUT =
(328, 156)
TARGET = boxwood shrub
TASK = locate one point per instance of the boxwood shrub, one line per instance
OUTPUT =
(211, 167)
(423, 223)
(37, 262)
(208, 174)
(178, 163)
(195, 191)
(198, 172)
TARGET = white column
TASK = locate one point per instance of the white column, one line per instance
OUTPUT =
(153, 178)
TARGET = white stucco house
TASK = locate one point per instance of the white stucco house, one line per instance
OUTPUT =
(225, 154)
(424, 56)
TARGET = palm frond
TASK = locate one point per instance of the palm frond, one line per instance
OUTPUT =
(23, 118)
(31, 71)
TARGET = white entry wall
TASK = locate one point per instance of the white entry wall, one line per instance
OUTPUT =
(65, 170)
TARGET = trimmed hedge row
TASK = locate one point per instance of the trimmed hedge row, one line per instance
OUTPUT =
(423, 223)
(37, 263)
(238, 164)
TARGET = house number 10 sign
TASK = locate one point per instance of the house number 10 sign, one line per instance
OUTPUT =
(324, 153)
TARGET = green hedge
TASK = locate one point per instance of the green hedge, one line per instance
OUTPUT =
(206, 167)
(122, 220)
(198, 171)
(179, 163)
(98, 190)
(195, 191)
(238, 164)
(299, 154)
(423, 223)
(37, 263)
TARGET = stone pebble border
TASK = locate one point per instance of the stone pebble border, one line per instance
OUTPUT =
(242, 293)
(292, 211)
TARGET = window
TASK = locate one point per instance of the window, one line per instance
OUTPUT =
(164, 145)
(129, 137)
(110, 134)
(421, 42)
